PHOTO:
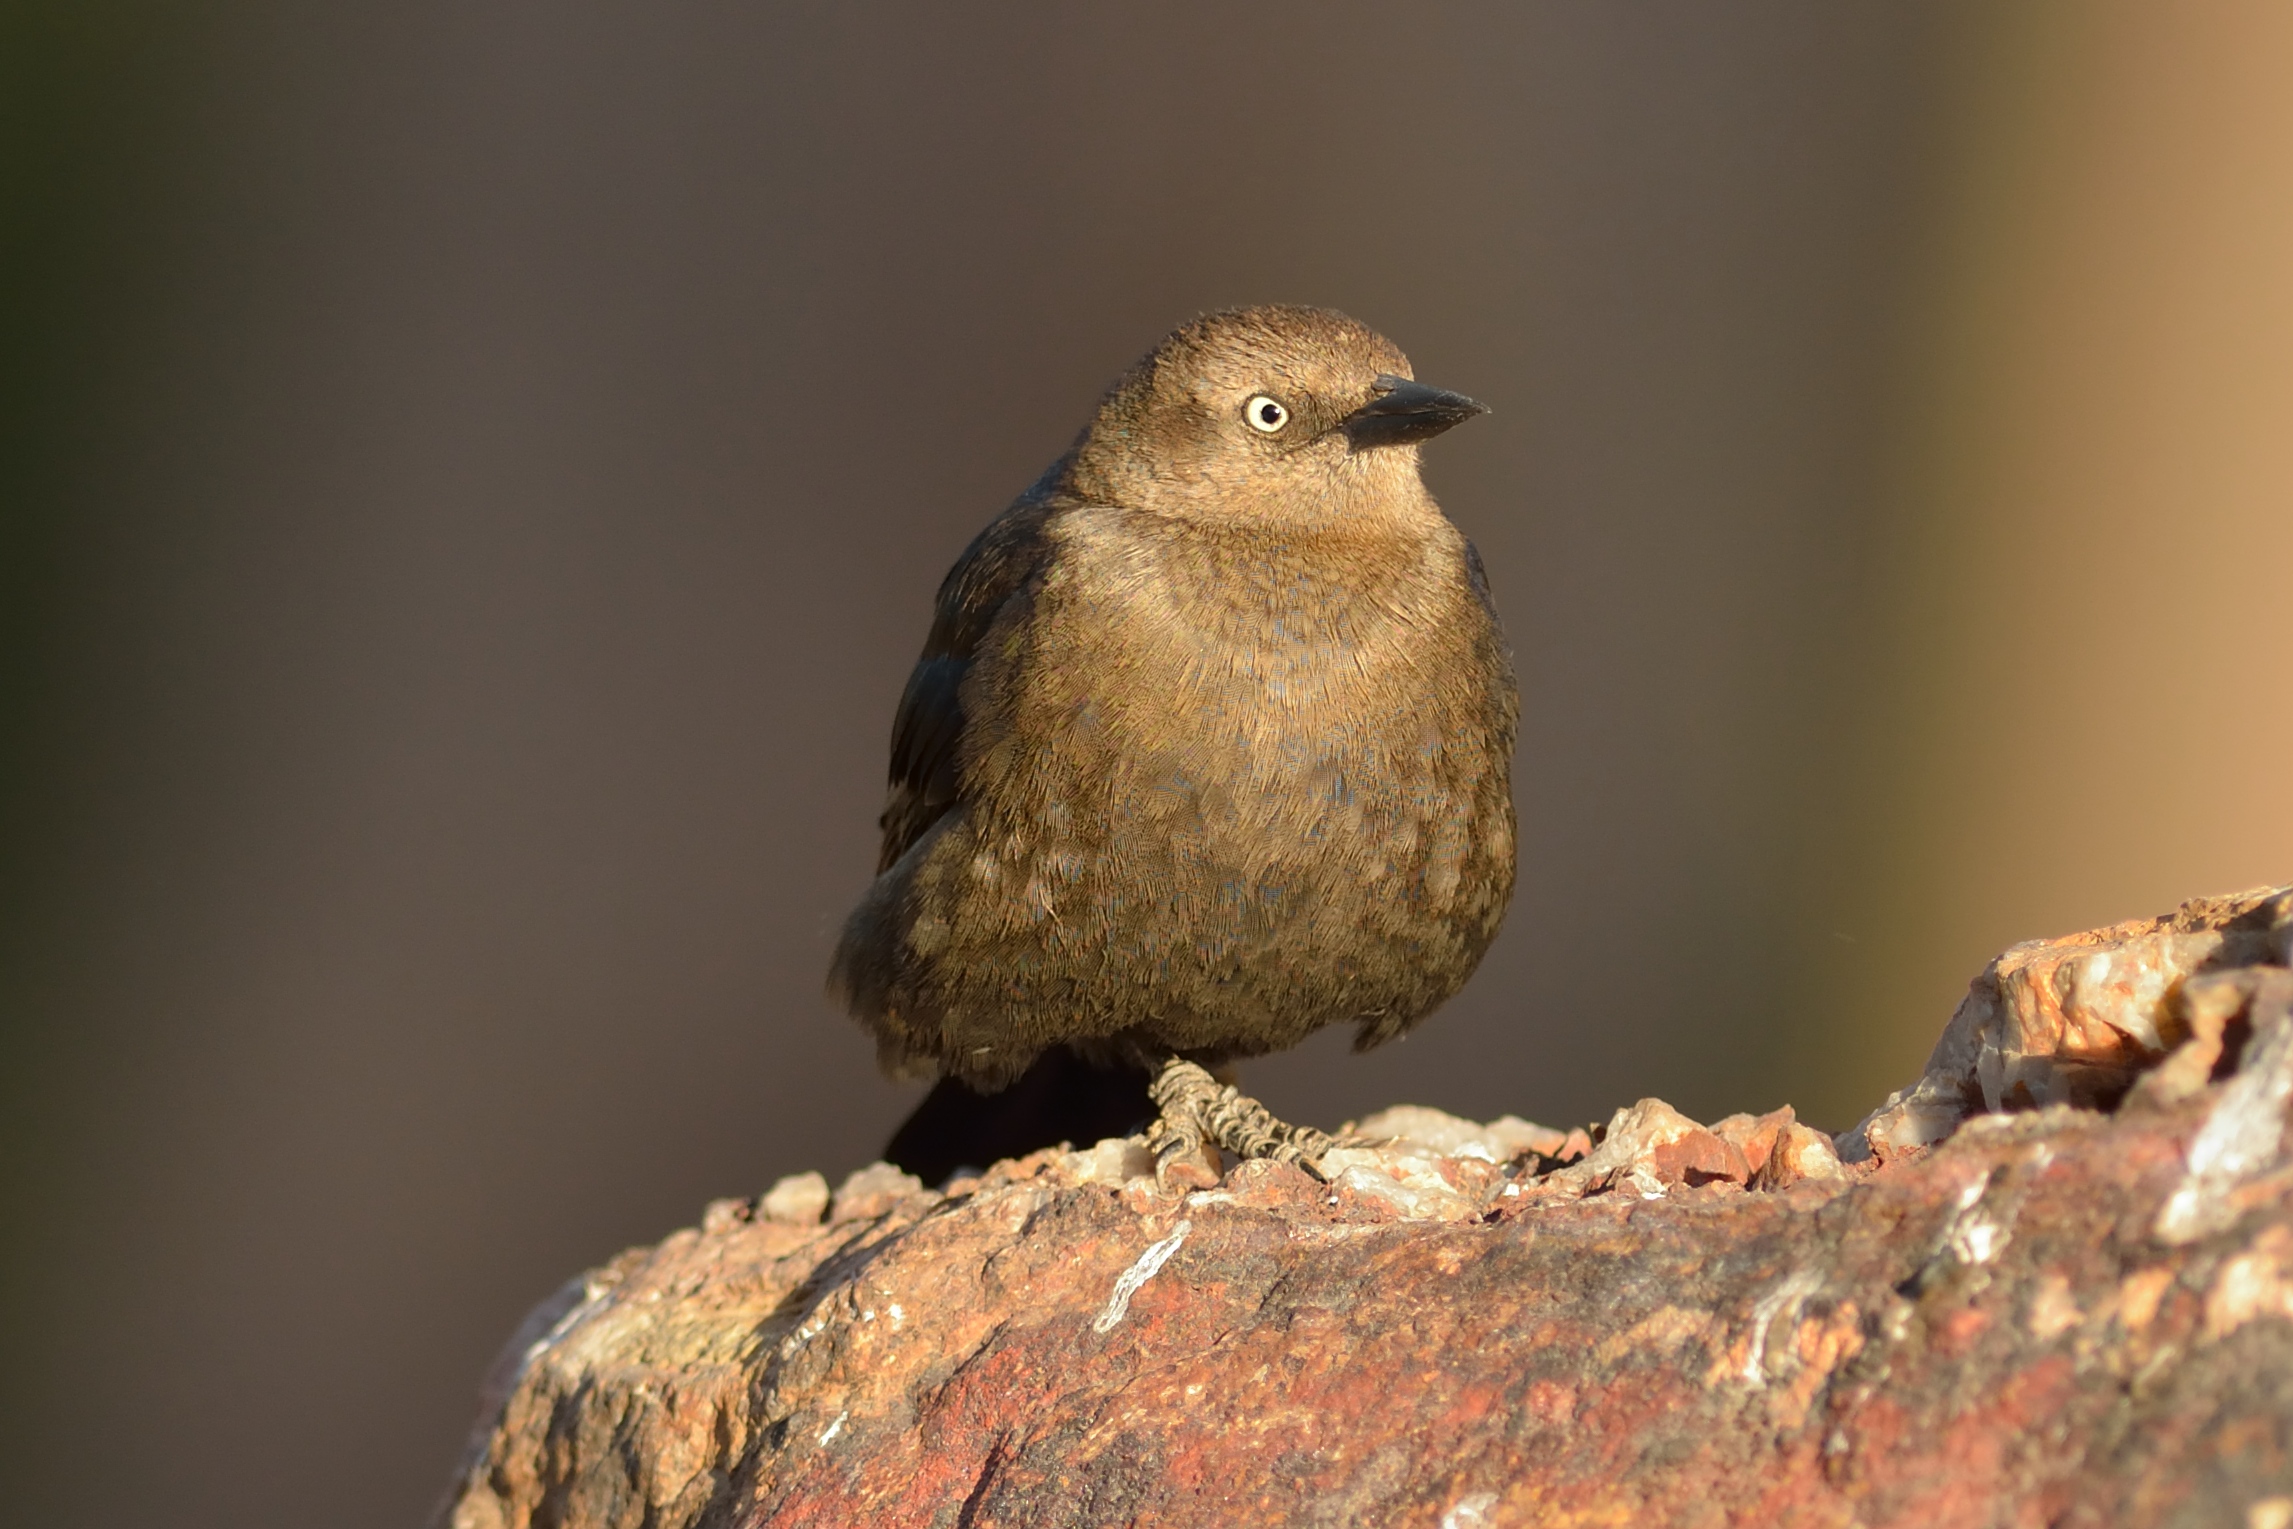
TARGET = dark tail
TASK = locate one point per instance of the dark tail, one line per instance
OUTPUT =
(1059, 1098)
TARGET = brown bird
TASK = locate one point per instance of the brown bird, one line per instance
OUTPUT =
(1210, 746)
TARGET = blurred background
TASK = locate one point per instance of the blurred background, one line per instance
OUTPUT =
(474, 476)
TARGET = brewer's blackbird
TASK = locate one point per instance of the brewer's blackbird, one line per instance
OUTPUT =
(1210, 744)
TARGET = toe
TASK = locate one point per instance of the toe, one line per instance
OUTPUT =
(1184, 1165)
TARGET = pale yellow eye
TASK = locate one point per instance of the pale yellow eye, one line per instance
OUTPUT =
(1265, 414)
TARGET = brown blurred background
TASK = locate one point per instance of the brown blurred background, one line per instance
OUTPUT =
(475, 473)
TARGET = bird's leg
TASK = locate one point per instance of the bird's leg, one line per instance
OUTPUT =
(1199, 1113)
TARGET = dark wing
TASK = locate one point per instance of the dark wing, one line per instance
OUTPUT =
(927, 732)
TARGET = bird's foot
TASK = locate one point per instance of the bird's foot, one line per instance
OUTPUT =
(1200, 1115)
(1183, 1159)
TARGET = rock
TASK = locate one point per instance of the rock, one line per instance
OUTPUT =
(1648, 1149)
(871, 1193)
(723, 1215)
(1453, 1136)
(2213, 1006)
(2243, 1137)
(1754, 1135)
(1799, 1152)
(1516, 1137)
(2076, 1020)
(1115, 1161)
(2053, 1315)
(799, 1200)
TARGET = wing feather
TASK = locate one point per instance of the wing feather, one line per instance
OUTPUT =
(928, 730)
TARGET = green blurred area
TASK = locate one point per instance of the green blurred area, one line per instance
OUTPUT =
(90, 94)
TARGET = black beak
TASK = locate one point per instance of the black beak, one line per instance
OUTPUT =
(1405, 411)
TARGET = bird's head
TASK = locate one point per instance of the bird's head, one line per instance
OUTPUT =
(1274, 414)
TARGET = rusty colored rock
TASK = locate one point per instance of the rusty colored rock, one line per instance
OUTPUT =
(2058, 1315)
(2077, 1020)
(872, 1192)
(1755, 1135)
(1646, 1149)
(1798, 1152)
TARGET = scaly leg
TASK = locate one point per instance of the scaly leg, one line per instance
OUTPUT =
(1200, 1114)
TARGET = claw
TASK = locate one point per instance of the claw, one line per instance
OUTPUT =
(1182, 1159)
(1310, 1161)
(1181, 1167)
(1200, 1115)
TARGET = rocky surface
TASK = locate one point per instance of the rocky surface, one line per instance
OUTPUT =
(2051, 1283)
(2079, 1020)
